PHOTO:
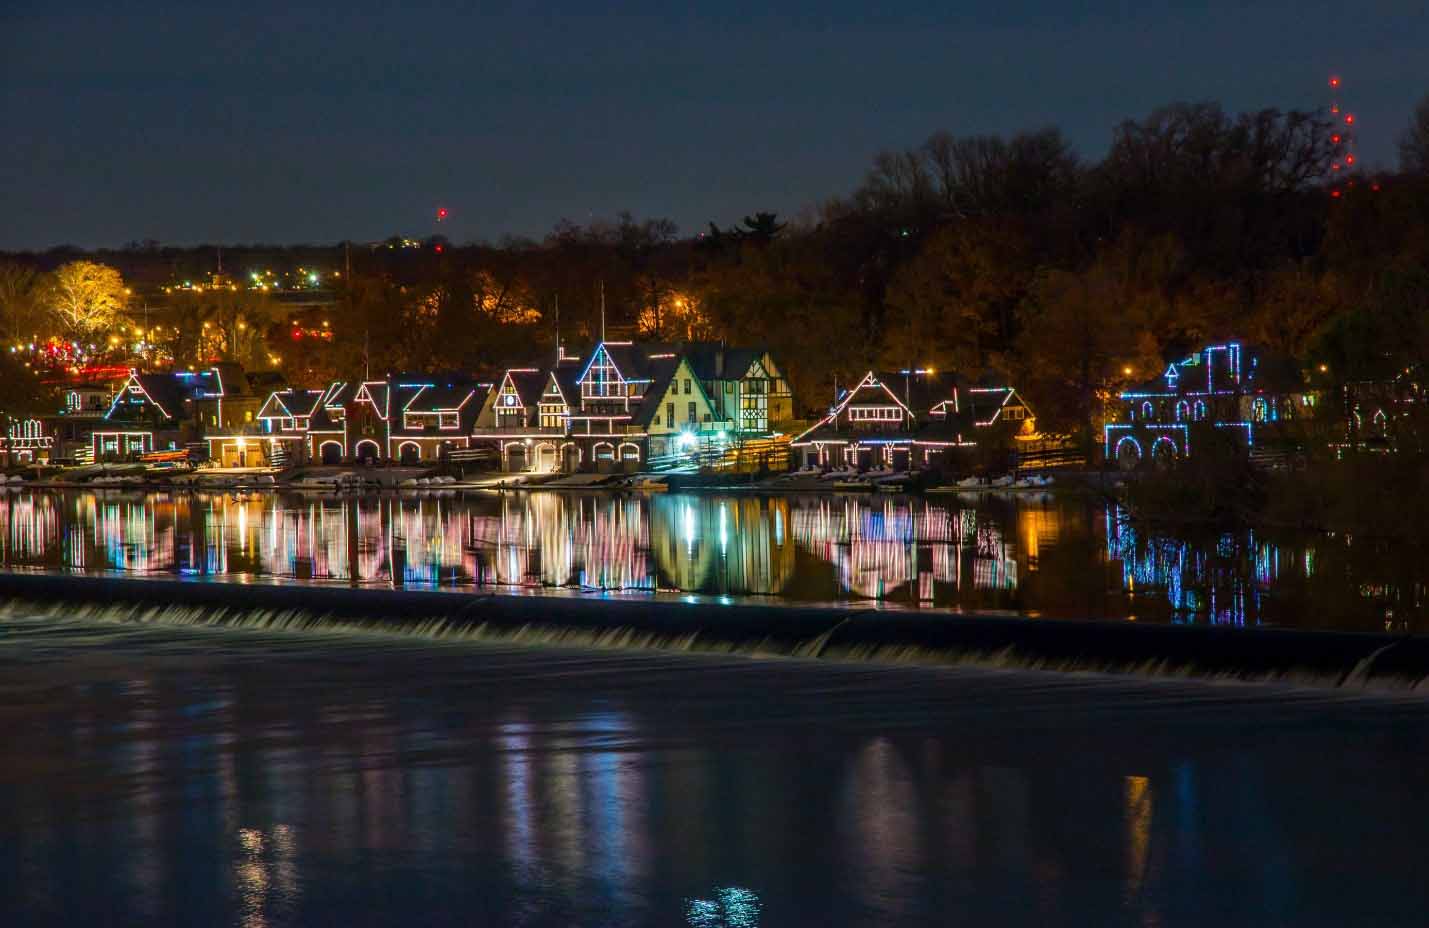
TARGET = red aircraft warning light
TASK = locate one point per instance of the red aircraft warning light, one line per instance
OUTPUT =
(1334, 81)
(441, 213)
(1349, 159)
(1349, 119)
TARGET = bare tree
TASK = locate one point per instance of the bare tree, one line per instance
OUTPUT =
(1414, 142)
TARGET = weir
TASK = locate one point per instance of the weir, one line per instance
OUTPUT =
(829, 633)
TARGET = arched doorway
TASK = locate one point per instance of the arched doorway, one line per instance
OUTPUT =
(409, 453)
(516, 457)
(367, 452)
(1128, 453)
(546, 457)
(1163, 452)
(570, 457)
(330, 452)
(604, 456)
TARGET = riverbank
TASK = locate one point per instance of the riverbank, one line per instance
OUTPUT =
(339, 480)
(849, 632)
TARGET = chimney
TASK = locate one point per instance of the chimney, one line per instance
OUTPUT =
(719, 362)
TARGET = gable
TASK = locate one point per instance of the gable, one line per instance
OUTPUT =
(600, 368)
(553, 393)
(674, 392)
(872, 392)
(275, 408)
(508, 397)
(140, 390)
(366, 394)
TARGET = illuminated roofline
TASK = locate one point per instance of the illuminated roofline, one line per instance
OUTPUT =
(134, 376)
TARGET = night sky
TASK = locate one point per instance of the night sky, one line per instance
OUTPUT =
(277, 122)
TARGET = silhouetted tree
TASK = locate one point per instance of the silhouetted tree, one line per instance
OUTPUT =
(1414, 141)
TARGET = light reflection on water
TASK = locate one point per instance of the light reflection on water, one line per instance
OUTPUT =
(201, 776)
(1056, 556)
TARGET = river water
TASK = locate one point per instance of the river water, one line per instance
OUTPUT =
(157, 774)
(1040, 554)
(154, 775)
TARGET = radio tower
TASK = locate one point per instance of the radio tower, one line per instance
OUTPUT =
(1342, 140)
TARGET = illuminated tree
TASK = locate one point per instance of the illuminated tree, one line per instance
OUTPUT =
(86, 297)
(672, 314)
(506, 300)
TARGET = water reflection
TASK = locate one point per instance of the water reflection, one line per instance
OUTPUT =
(1253, 578)
(1062, 556)
(731, 907)
(208, 777)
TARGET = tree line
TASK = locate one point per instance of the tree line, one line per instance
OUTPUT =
(993, 256)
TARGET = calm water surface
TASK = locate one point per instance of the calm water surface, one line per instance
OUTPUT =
(155, 776)
(1059, 556)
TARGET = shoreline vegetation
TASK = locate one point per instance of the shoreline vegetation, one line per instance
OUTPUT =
(1347, 660)
(977, 255)
(1380, 498)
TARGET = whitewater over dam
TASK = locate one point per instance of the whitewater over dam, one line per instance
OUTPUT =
(695, 711)
(205, 774)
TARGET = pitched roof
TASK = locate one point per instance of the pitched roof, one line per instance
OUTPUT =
(633, 359)
(566, 372)
(661, 371)
(717, 361)
(529, 383)
(338, 393)
(379, 392)
(442, 397)
(284, 404)
(169, 391)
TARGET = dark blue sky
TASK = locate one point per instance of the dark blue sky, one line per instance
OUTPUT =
(271, 121)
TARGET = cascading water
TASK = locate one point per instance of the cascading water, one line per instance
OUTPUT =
(838, 637)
